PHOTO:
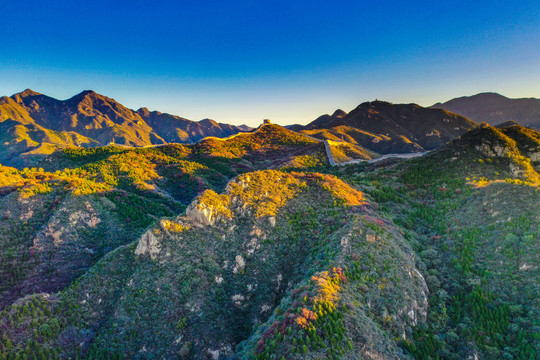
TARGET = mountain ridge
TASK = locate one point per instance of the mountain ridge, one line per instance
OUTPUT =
(385, 128)
(97, 120)
(494, 108)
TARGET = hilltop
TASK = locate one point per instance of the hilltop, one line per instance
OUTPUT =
(495, 109)
(35, 125)
(386, 128)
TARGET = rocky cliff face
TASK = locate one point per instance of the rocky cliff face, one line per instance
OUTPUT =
(512, 150)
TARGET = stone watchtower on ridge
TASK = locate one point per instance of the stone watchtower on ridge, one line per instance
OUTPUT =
(266, 121)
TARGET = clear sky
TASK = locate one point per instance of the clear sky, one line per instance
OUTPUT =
(290, 61)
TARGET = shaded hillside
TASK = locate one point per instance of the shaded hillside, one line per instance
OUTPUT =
(35, 125)
(175, 129)
(495, 109)
(472, 216)
(390, 128)
(480, 216)
(321, 121)
(56, 225)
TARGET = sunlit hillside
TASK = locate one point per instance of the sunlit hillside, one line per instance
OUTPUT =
(254, 247)
(35, 125)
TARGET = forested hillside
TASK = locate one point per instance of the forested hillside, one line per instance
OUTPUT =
(255, 248)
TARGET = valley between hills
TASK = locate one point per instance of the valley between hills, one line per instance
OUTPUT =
(141, 235)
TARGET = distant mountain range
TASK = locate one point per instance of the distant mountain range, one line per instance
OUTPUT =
(385, 128)
(34, 124)
(495, 109)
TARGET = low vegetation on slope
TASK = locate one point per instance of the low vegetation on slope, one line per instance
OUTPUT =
(270, 146)
(431, 258)
(58, 221)
(376, 143)
(472, 216)
(255, 271)
(55, 225)
(343, 151)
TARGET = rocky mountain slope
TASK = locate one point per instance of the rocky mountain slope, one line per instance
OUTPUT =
(203, 252)
(35, 125)
(231, 264)
(495, 109)
(387, 128)
(175, 129)
(60, 219)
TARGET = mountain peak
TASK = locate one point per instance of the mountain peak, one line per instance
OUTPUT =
(490, 94)
(87, 92)
(27, 92)
(339, 113)
(143, 111)
(208, 122)
(378, 102)
(245, 127)
(495, 108)
(507, 124)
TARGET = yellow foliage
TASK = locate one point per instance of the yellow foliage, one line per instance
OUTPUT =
(189, 167)
(220, 203)
(10, 177)
(383, 284)
(266, 191)
(339, 189)
(305, 318)
(327, 286)
(80, 186)
(173, 226)
(35, 189)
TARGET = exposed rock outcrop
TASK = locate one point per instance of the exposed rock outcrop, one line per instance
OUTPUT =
(148, 244)
(202, 214)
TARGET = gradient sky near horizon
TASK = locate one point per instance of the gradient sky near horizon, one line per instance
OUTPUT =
(291, 61)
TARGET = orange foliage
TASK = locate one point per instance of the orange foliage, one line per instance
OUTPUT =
(327, 286)
(305, 318)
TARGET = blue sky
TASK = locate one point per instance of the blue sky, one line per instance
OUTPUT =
(290, 61)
